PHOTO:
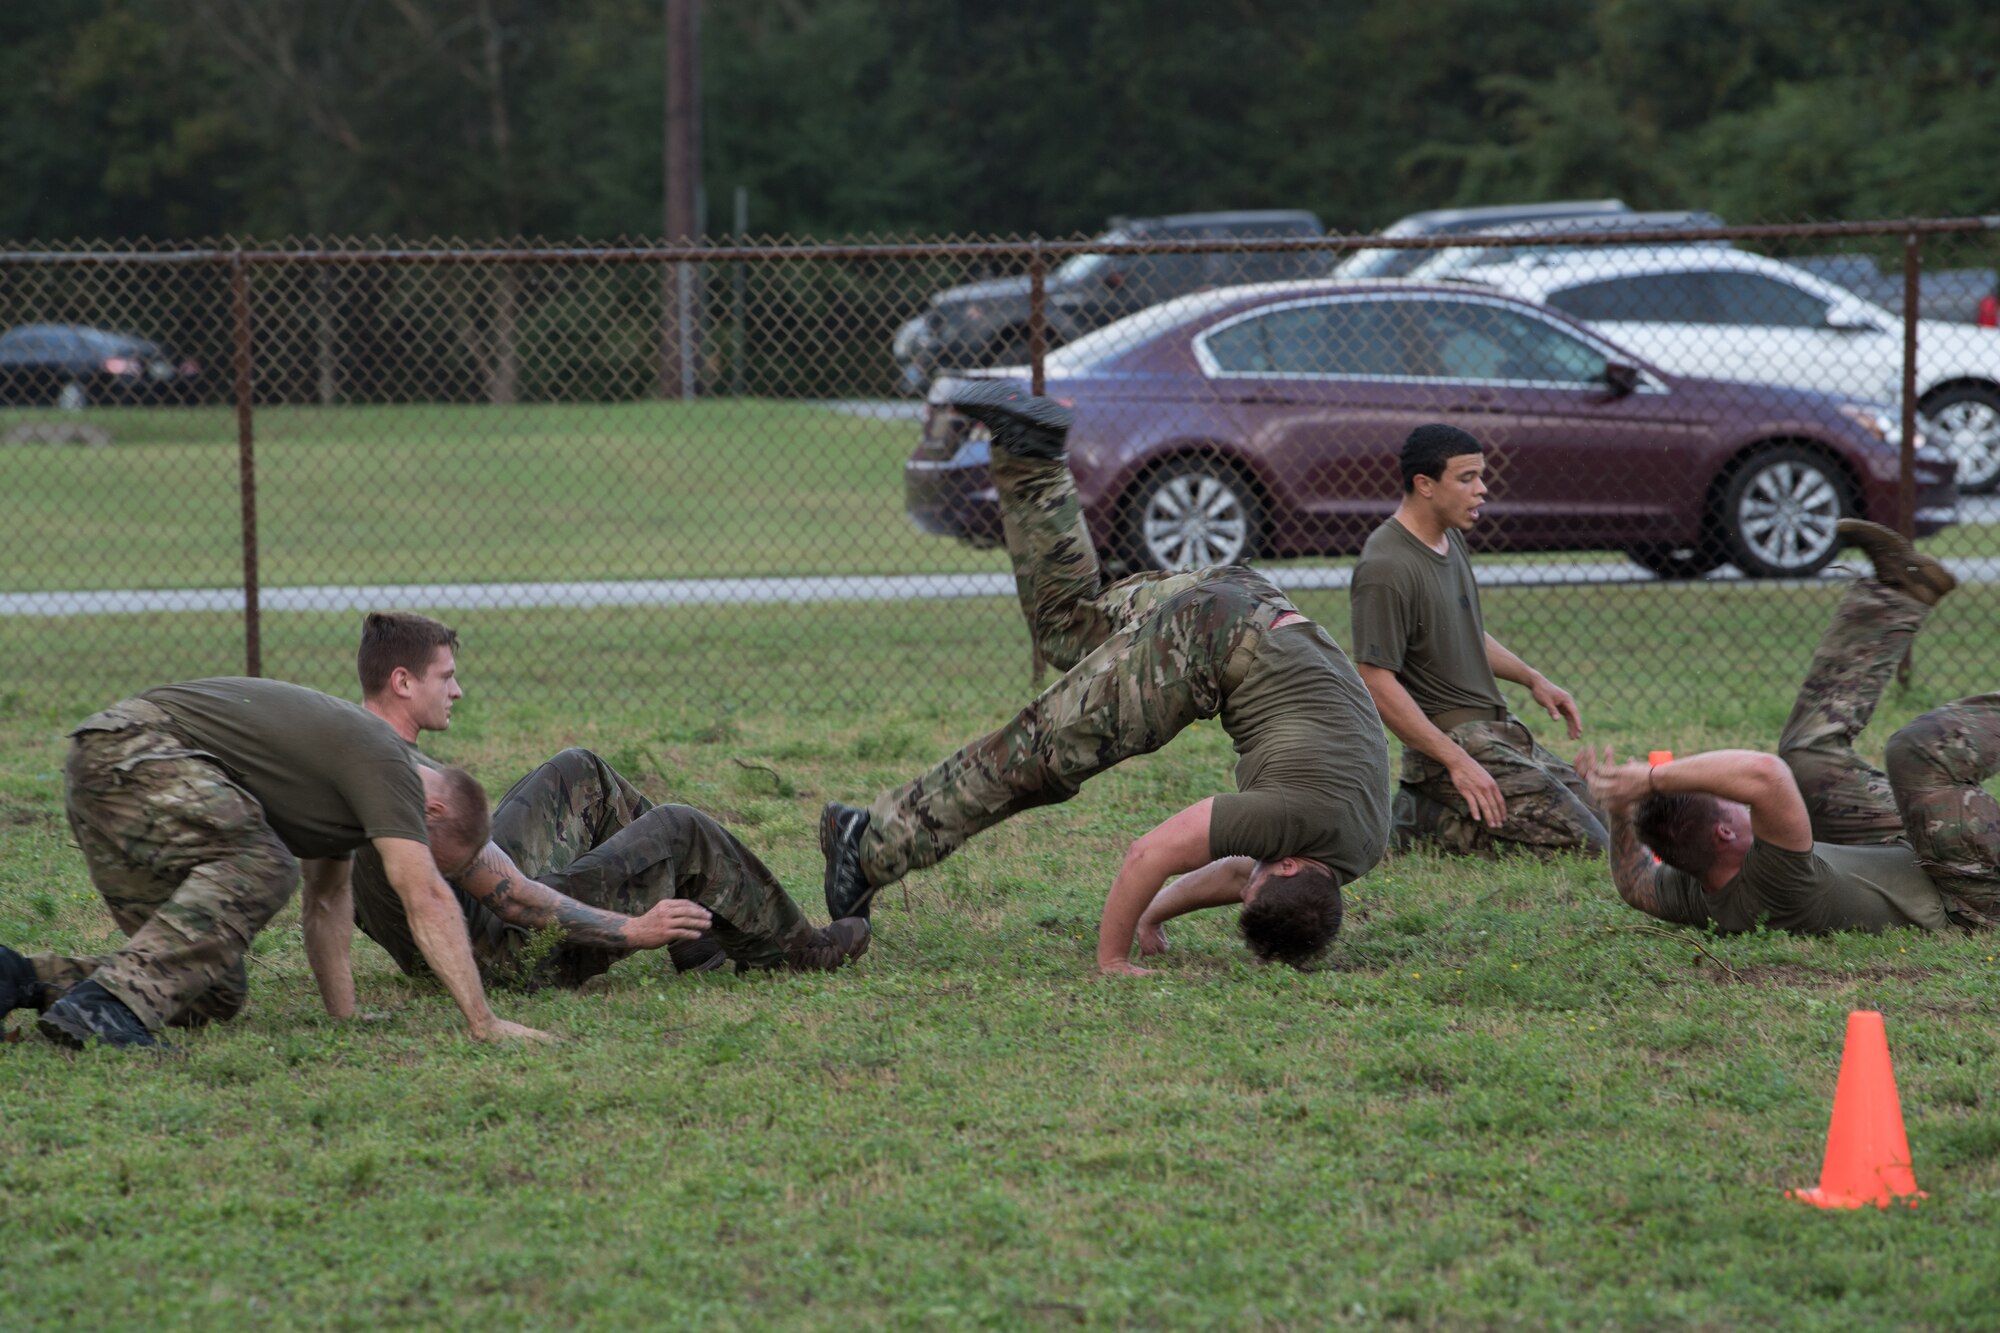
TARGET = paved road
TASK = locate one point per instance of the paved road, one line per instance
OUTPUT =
(763, 591)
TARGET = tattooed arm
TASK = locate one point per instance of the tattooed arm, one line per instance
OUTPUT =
(1632, 868)
(509, 894)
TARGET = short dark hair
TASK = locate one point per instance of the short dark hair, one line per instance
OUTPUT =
(467, 820)
(1430, 447)
(1680, 828)
(1294, 917)
(391, 639)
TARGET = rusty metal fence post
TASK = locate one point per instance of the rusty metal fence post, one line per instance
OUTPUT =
(246, 461)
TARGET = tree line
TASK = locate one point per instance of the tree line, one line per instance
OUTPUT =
(489, 119)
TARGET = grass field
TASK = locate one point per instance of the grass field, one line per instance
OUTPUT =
(438, 493)
(1509, 1101)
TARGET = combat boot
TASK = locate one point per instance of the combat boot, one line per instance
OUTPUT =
(90, 1012)
(1897, 563)
(1022, 424)
(703, 953)
(19, 988)
(826, 948)
(848, 892)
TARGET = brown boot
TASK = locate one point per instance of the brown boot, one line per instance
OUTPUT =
(1897, 562)
(827, 948)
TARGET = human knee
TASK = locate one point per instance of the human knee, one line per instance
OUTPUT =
(1911, 756)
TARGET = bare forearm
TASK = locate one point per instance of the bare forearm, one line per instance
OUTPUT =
(326, 919)
(1632, 868)
(520, 901)
(1407, 721)
(1217, 884)
(1507, 665)
(439, 929)
(1137, 884)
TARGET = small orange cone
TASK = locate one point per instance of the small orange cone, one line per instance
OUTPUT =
(1867, 1155)
(1658, 757)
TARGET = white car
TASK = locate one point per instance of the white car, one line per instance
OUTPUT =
(1729, 314)
(1457, 261)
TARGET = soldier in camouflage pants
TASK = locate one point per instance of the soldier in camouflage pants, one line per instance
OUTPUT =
(185, 861)
(1549, 805)
(576, 825)
(1931, 796)
(1142, 659)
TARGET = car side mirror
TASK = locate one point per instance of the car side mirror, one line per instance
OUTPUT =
(1620, 378)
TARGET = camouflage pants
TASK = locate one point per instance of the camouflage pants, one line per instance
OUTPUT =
(1931, 796)
(183, 858)
(1549, 806)
(1141, 659)
(576, 825)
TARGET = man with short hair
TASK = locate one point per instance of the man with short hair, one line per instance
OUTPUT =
(198, 807)
(581, 869)
(1475, 782)
(1143, 658)
(1814, 839)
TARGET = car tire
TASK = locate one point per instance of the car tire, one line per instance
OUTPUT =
(1192, 512)
(1779, 512)
(1964, 422)
(1668, 561)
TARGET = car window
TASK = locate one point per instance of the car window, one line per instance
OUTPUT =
(1753, 299)
(1653, 298)
(1334, 338)
(1468, 340)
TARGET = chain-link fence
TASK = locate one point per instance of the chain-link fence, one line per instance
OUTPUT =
(723, 476)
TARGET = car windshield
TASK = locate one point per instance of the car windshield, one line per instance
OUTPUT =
(1078, 267)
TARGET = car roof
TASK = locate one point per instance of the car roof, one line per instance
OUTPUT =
(1532, 275)
(1448, 220)
(1659, 220)
(1212, 219)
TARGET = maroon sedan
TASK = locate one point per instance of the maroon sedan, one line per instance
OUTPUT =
(1265, 421)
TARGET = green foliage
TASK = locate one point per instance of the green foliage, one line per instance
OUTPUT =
(492, 118)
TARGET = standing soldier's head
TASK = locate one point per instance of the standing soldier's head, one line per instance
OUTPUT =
(409, 671)
(1444, 475)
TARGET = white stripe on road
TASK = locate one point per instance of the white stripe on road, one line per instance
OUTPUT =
(765, 591)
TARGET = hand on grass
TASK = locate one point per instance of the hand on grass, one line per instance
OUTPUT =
(499, 1029)
(1121, 968)
(1152, 938)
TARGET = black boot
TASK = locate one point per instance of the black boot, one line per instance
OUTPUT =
(848, 892)
(90, 1012)
(18, 987)
(1022, 424)
(825, 949)
(703, 953)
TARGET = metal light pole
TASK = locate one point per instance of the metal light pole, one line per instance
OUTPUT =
(683, 190)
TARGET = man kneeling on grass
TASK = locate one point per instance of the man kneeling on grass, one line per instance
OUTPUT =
(1145, 657)
(1813, 839)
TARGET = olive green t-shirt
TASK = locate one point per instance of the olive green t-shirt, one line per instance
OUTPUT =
(1415, 613)
(329, 774)
(1809, 893)
(1312, 765)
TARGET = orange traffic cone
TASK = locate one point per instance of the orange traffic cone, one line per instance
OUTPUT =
(1867, 1155)
(1658, 757)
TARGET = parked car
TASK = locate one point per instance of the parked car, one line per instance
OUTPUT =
(1266, 420)
(1460, 259)
(1958, 294)
(1378, 262)
(1745, 317)
(986, 323)
(69, 365)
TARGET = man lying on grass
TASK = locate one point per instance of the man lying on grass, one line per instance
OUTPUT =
(1814, 839)
(1145, 657)
(581, 869)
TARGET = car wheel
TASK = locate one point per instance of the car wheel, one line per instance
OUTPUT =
(73, 397)
(1191, 513)
(1779, 513)
(1965, 423)
(1668, 561)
